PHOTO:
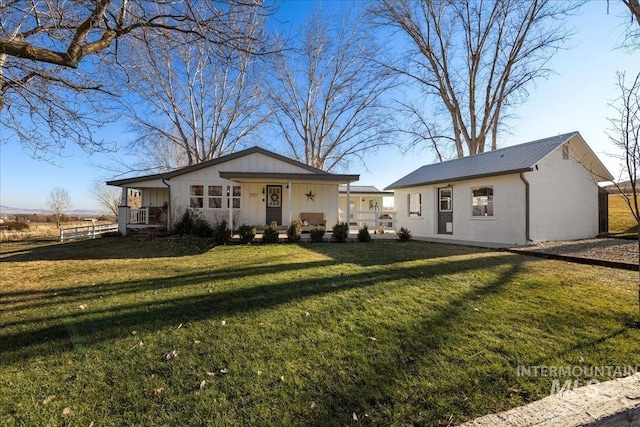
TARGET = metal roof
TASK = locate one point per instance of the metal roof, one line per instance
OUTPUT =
(363, 189)
(514, 159)
(277, 176)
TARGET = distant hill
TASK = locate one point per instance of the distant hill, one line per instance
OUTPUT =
(624, 186)
(9, 210)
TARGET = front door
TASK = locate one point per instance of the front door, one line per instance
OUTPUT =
(445, 210)
(274, 204)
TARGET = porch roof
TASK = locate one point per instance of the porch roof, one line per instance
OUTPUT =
(286, 177)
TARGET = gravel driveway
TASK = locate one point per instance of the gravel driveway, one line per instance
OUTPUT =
(606, 249)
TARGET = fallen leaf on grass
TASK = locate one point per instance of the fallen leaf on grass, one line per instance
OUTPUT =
(224, 371)
(171, 355)
(355, 417)
(140, 344)
(66, 411)
(224, 322)
(82, 306)
(157, 391)
(49, 399)
(313, 405)
(282, 378)
(134, 332)
(196, 342)
(179, 326)
(373, 338)
(210, 373)
(202, 384)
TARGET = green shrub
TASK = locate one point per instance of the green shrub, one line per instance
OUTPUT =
(294, 231)
(404, 234)
(363, 235)
(247, 233)
(270, 233)
(316, 233)
(185, 224)
(201, 228)
(341, 232)
(221, 233)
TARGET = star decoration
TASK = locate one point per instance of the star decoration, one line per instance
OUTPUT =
(310, 196)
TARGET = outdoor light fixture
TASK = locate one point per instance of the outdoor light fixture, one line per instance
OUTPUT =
(262, 190)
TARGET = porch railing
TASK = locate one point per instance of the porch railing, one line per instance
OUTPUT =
(139, 216)
(86, 232)
(373, 219)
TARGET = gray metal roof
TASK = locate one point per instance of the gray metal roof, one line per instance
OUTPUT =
(362, 189)
(514, 159)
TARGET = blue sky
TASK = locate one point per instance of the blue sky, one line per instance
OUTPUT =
(576, 97)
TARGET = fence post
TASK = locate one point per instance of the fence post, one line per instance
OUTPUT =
(62, 234)
(93, 231)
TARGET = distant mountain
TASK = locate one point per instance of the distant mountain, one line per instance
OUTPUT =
(9, 210)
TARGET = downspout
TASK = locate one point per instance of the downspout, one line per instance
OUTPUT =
(527, 213)
(168, 204)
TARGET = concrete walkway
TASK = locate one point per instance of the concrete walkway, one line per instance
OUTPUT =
(614, 403)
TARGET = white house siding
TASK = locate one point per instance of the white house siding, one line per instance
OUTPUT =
(155, 196)
(253, 204)
(564, 199)
(506, 226)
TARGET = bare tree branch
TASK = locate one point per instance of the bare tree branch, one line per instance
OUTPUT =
(326, 92)
(475, 58)
(59, 57)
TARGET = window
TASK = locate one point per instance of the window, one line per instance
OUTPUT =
(482, 201)
(196, 193)
(445, 195)
(236, 194)
(215, 196)
(415, 204)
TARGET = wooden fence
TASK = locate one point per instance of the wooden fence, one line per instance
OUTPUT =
(86, 232)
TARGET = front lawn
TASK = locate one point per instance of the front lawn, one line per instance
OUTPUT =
(621, 221)
(119, 331)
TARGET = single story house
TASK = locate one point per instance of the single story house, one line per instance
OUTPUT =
(539, 191)
(254, 186)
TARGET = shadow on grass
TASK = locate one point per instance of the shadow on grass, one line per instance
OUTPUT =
(91, 326)
(104, 248)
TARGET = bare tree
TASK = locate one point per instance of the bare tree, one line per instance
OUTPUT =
(327, 92)
(193, 101)
(58, 202)
(634, 8)
(55, 59)
(625, 134)
(475, 59)
(108, 197)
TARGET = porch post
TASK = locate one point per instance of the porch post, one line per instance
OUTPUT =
(123, 198)
(230, 205)
(348, 205)
(289, 200)
(123, 219)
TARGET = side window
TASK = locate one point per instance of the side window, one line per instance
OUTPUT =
(415, 204)
(196, 196)
(482, 201)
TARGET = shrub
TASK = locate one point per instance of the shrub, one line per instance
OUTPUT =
(201, 228)
(316, 233)
(270, 233)
(16, 225)
(341, 232)
(404, 234)
(247, 233)
(221, 233)
(294, 231)
(185, 223)
(363, 235)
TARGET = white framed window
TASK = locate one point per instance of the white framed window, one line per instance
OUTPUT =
(196, 196)
(414, 202)
(215, 196)
(482, 201)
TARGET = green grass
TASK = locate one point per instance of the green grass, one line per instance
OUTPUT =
(621, 221)
(312, 334)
